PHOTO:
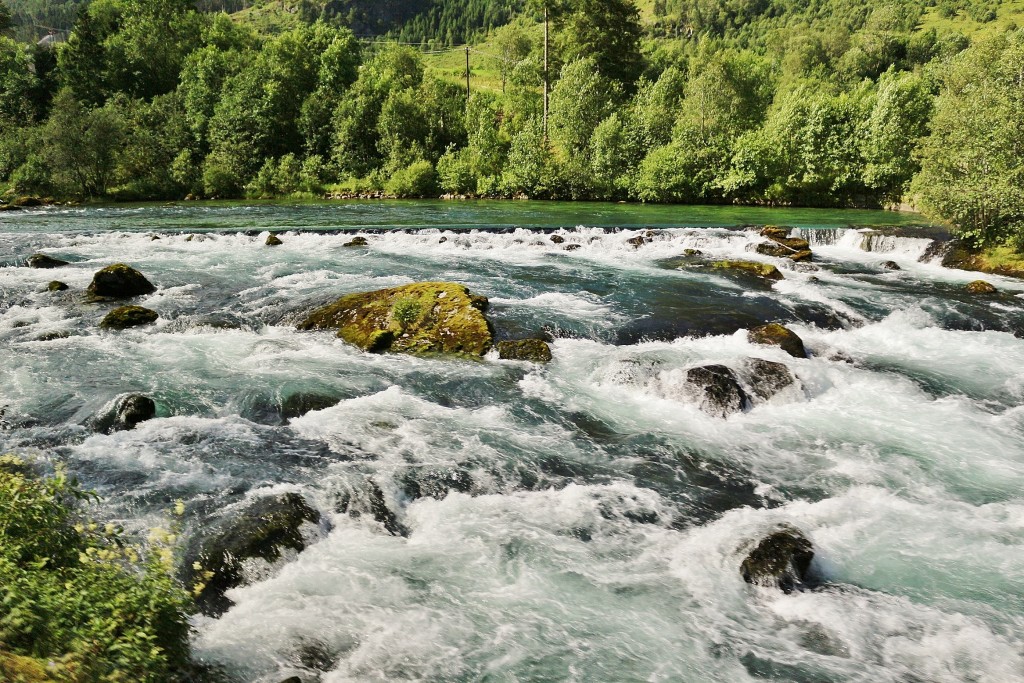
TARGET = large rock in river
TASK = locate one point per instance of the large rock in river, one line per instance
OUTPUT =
(536, 350)
(124, 414)
(775, 334)
(782, 560)
(44, 261)
(120, 281)
(125, 317)
(718, 391)
(762, 270)
(426, 317)
(214, 561)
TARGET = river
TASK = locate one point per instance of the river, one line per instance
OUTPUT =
(601, 518)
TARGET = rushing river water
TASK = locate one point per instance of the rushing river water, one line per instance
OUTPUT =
(602, 517)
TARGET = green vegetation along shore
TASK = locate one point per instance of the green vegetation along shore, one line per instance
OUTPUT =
(862, 104)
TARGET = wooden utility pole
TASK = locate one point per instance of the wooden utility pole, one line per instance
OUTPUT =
(545, 71)
(467, 73)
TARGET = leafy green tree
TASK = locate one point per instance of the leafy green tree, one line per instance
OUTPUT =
(393, 68)
(898, 121)
(972, 163)
(18, 82)
(82, 145)
(530, 168)
(607, 31)
(580, 100)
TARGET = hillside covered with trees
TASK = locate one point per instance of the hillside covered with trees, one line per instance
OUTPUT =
(776, 102)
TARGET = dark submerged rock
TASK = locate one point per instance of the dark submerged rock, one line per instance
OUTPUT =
(273, 240)
(125, 414)
(125, 317)
(775, 334)
(300, 403)
(535, 350)
(573, 247)
(557, 239)
(436, 483)
(767, 378)
(636, 242)
(782, 560)
(263, 531)
(718, 390)
(57, 286)
(357, 242)
(368, 500)
(693, 253)
(981, 287)
(120, 281)
(44, 261)
(426, 317)
(891, 265)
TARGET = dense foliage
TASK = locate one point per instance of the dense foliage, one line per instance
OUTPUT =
(827, 104)
(77, 601)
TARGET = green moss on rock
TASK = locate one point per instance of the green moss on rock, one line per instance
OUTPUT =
(120, 281)
(981, 287)
(56, 286)
(426, 317)
(273, 240)
(763, 270)
(775, 334)
(128, 316)
(535, 350)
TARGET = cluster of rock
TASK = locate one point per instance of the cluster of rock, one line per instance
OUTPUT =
(780, 245)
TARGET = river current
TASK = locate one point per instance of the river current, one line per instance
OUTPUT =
(603, 517)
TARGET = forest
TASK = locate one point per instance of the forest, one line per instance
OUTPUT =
(771, 102)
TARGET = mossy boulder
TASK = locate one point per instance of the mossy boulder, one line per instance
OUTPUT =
(356, 242)
(422, 318)
(56, 286)
(774, 232)
(273, 240)
(125, 317)
(536, 350)
(557, 239)
(18, 669)
(44, 261)
(762, 270)
(775, 334)
(782, 560)
(263, 530)
(801, 256)
(120, 281)
(981, 287)
(718, 391)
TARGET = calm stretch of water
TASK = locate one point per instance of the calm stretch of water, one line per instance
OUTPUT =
(605, 516)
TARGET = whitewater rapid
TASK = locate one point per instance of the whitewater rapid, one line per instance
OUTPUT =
(605, 517)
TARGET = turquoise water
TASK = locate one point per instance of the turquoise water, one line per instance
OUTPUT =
(414, 214)
(604, 516)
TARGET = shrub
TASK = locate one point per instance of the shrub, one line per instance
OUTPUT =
(77, 595)
(416, 180)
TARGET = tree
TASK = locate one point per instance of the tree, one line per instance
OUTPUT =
(607, 31)
(898, 121)
(6, 22)
(972, 163)
(82, 144)
(18, 83)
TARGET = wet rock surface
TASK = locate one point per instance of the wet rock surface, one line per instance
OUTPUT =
(718, 391)
(263, 530)
(782, 560)
(120, 281)
(125, 317)
(430, 317)
(775, 334)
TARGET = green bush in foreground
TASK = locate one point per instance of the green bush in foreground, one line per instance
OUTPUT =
(77, 601)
